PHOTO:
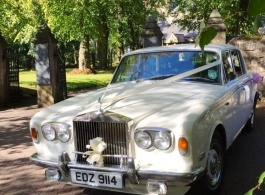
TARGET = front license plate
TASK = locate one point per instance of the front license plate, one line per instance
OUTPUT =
(93, 178)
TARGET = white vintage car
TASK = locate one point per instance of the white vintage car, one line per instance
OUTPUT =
(162, 125)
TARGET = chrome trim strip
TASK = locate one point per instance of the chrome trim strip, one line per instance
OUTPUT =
(106, 116)
(156, 129)
(110, 168)
(121, 157)
(43, 163)
(171, 176)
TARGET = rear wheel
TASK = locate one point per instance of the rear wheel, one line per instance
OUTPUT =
(250, 123)
(210, 183)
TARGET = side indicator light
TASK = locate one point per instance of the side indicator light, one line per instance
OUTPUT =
(183, 146)
(34, 135)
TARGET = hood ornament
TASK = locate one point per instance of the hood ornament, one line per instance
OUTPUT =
(100, 111)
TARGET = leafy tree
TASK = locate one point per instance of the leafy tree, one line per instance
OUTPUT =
(20, 20)
(70, 21)
(254, 8)
(257, 8)
(19, 23)
(102, 21)
(191, 13)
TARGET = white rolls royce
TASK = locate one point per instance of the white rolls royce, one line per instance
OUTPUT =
(161, 126)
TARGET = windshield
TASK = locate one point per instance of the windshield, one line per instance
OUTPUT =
(162, 65)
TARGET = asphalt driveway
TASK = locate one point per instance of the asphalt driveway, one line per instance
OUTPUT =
(245, 160)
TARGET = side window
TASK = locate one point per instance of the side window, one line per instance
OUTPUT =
(236, 58)
(228, 67)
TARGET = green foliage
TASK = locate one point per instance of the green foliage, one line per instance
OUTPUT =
(205, 36)
(251, 37)
(250, 192)
(69, 20)
(257, 23)
(261, 178)
(20, 19)
(256, 7)
(233, 12)
(131, 19)
(112, 24)
(261, 181)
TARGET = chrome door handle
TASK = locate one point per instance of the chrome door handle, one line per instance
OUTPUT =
(242, 86)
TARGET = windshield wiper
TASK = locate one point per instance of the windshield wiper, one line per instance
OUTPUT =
(161, 77)
(199, 79)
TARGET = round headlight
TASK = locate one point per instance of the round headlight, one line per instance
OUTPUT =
(48, 132)
(162, 140)
(63, 133)
(143, 140)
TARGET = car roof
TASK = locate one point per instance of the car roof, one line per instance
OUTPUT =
(183, 47)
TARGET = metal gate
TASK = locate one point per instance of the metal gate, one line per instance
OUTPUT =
(12, 72)
(62, 92)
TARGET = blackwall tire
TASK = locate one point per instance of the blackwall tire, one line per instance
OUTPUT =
(211, 181)
(251, 121)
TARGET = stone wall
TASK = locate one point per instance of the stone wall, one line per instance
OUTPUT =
(254, 55)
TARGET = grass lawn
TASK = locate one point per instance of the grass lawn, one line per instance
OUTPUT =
(75, 82)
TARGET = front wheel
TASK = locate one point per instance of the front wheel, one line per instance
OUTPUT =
(210, 183)
(215, 164)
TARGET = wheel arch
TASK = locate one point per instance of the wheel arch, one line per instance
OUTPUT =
(258, 96)
(221, 130)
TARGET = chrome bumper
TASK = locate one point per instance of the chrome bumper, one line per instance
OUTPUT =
(64, 165)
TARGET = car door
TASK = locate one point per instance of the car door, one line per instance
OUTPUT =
(237, 97)
(245, 84)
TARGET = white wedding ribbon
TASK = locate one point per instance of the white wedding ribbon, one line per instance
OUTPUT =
(159, 83)
(97, 146)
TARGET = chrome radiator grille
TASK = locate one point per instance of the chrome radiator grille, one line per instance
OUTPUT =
(113, 134)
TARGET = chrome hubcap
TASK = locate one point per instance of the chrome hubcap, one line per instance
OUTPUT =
(214, 166)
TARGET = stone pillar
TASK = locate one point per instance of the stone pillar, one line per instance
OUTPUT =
(151, 34)
(46, 67)
(3, 73)
(216, 21)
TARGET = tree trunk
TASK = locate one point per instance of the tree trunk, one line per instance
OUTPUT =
(121, 51)
(84, 54)
(98, 54)
(103, 42)
(75, 56)
(103, 54)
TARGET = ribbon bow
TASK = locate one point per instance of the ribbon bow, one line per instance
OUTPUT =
(97, 145)
(257, 78)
